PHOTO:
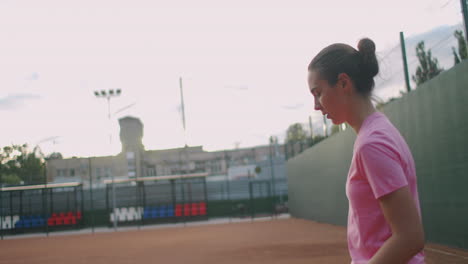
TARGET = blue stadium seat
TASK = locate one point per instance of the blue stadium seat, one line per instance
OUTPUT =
(154, 212)
(37, 221)
(170, 211)
(34, 221)
(19, 224)
(147, 213)
(27, 223)
(42, 221)
(162, 211)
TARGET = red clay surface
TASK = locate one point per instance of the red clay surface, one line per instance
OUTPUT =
(291, 241)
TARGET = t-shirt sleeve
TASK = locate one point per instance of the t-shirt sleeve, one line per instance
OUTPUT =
(382, 168)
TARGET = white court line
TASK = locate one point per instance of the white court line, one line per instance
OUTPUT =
(445, 253)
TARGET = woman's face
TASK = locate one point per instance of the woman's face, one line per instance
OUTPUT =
(329, 99)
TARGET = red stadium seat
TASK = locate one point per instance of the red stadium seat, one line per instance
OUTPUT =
(51, 221)
(78, 215)
(69, 219)
(178, 210)
(202, 207)
(59, 220)
(186, 209)
(194, 209)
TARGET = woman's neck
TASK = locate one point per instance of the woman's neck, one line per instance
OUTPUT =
(361, 108)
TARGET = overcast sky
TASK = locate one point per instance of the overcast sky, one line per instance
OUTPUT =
(243, 64)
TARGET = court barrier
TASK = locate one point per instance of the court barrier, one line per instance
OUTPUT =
(61, 207)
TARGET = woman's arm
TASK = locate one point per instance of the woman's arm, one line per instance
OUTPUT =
(407, 237)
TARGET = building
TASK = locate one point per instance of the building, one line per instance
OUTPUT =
(134, 161)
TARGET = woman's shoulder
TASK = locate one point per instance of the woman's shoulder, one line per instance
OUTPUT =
(380, 135)
(377, 128)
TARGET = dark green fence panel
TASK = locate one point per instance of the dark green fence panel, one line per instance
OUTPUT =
(316, 180)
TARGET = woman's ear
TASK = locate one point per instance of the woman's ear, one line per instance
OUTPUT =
(345, 82)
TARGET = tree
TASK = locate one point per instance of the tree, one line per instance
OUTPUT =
(10, 179)
(273, 140)
(54, 155)
(428, 67)
(335, 129)
(462, 53)
(319, 138)
(296, 133)
(18, 161)
(381, 104)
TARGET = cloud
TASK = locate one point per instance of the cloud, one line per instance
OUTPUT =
(14, 101)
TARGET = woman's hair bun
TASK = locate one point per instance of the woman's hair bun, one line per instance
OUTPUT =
(369, 66)
(366, 46)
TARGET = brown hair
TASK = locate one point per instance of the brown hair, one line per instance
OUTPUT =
(361, 66)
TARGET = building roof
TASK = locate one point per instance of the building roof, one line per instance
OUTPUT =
(40, 186)
(156, 178)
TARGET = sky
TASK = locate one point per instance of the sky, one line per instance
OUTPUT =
(243, 66)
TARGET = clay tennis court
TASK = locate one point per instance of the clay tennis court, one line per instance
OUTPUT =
(292, 241)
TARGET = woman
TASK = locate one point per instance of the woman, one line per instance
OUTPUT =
(384, 223)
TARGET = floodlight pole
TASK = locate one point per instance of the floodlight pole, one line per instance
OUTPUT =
(108, 95)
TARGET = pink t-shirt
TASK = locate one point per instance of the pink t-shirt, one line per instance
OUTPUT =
(382, 163)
